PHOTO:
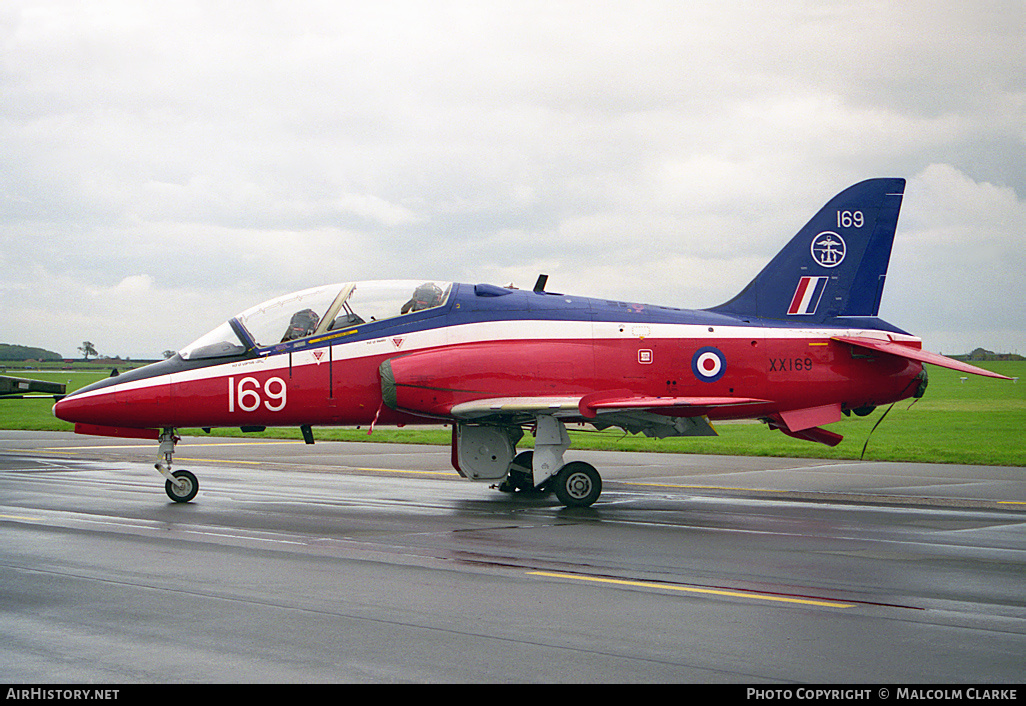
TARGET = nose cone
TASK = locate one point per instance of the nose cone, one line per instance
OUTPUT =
(88, 407)
(138, 404)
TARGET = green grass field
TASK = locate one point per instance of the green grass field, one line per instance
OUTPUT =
(976, 421)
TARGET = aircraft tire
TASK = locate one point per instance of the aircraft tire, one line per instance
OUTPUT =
(182, 495)
(577, 484)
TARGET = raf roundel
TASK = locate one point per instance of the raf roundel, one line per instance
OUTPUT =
(708, 364)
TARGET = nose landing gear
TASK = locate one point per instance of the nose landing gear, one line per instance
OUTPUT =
(181, 486)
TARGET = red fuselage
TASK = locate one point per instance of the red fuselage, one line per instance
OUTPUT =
(457, 355)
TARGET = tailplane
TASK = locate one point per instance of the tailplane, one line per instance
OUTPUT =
(834, 267)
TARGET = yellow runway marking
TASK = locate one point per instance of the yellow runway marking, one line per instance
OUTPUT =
(178, 459)
(83, 448)
(150, 446)
(244, 443)
(704, 487)
(691, 589)
(396, 470)
(21, 517)
(348, 468)
(218, 460)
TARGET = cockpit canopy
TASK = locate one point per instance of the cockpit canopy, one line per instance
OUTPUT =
(316, 311)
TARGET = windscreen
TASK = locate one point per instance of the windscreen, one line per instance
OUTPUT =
(219, 343)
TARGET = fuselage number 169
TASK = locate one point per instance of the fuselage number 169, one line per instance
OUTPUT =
(247, 394)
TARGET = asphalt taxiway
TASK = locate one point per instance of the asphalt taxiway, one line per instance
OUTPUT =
(349, 562)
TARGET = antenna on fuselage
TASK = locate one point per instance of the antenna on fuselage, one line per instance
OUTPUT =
(539, 286)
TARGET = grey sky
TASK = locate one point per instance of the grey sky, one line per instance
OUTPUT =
(166, 165)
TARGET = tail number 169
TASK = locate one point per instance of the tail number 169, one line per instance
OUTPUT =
(247, 394)
(847, 219)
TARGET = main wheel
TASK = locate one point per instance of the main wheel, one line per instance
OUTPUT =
(187, 492)
(577, 484)
(520, 474)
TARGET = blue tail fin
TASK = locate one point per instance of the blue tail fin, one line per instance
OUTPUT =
(835, 266)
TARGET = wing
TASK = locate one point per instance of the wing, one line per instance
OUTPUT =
(618, 400)
(652, 416)
(15, 388)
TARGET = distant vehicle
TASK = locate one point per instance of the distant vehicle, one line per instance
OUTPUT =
(799, 347)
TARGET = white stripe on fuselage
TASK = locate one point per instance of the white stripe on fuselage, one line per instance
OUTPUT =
(485, 331)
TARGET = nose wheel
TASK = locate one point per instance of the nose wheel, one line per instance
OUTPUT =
(186, 488)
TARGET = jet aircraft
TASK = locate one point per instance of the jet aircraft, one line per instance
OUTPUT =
(798, 348)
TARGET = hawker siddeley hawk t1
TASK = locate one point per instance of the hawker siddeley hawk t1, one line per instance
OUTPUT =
(799, 347)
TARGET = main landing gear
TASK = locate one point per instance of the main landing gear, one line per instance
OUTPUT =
(181, 486)
(486, 452)
(578, 484)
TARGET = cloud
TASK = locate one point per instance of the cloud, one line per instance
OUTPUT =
(956, 267)
(653, 151)
(134, 285)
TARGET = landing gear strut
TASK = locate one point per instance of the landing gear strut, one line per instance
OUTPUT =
(576, 484)
(181, 486)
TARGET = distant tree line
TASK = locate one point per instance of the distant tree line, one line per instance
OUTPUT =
(984, 354)
(14, 352)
